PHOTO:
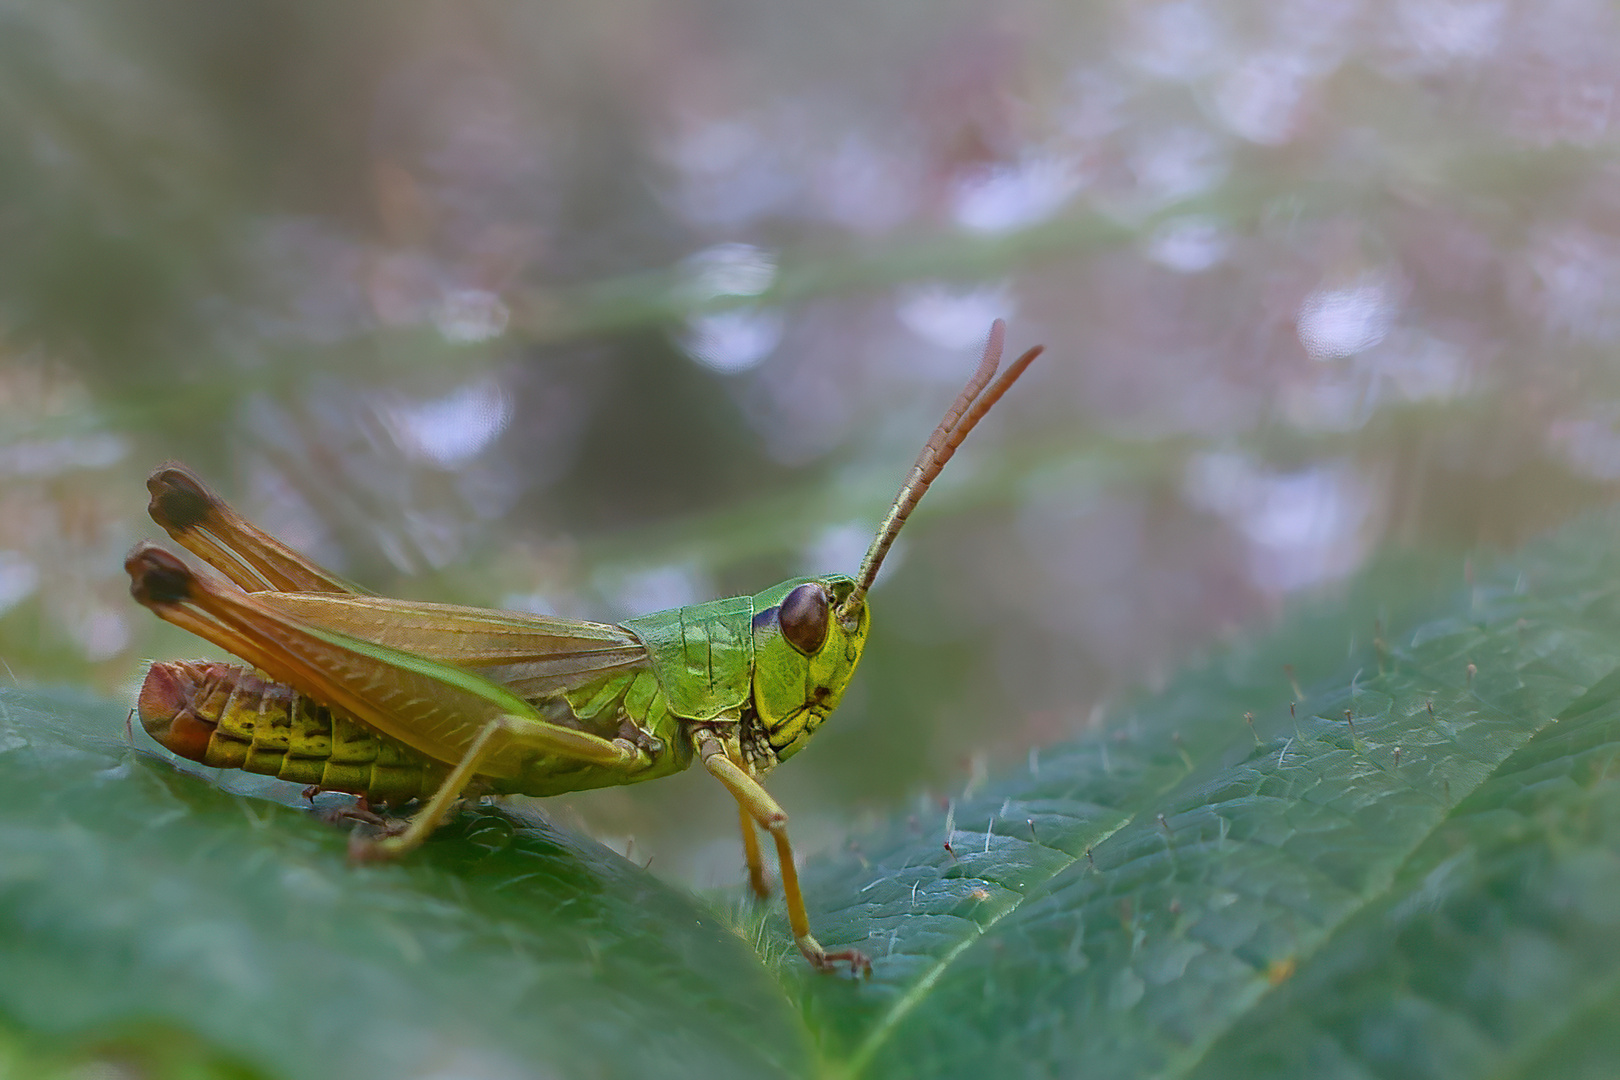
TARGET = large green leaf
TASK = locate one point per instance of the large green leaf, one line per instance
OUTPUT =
(1411, 870)
(135, 895)
(1182, 895)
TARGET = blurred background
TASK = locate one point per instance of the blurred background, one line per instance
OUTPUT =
(597, 309)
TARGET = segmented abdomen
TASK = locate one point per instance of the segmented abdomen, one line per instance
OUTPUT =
(231, 718)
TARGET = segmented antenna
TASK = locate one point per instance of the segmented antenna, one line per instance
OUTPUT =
(965, 412)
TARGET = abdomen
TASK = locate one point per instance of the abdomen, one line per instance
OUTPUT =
(226, 716)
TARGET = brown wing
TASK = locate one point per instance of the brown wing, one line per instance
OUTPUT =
(532, 655)
(205, 525)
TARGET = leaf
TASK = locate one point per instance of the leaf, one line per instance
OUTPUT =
(1180, 896)
(1423, 887)
(134, 896)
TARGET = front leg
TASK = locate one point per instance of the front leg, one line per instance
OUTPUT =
(756, 865)
(758, 805)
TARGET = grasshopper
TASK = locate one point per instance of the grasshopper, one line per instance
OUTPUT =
(400, 700)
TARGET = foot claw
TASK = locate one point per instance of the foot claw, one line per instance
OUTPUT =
(362, 813)
(859, 963)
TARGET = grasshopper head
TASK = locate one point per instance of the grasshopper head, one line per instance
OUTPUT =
(805, 651)
(809, 632)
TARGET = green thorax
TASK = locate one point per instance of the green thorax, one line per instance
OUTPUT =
(702, 655)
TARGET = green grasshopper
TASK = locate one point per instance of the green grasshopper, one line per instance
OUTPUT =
(398, 700)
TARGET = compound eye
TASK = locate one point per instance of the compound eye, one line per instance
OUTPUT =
(804, 616)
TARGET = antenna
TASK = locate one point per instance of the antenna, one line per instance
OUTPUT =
(965, 412)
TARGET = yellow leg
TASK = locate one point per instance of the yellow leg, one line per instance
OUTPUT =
(756, 865)
(499, 734)
(757, 804)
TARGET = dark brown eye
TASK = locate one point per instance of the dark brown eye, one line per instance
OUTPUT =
(804, 616)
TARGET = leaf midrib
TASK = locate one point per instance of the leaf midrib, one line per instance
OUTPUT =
(855, 1065)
